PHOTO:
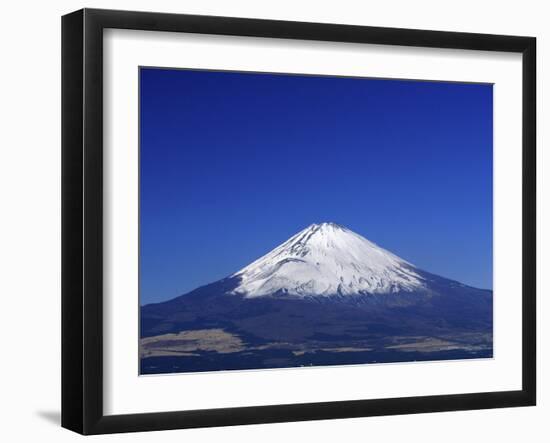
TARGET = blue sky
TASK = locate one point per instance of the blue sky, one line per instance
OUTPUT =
(232, 164)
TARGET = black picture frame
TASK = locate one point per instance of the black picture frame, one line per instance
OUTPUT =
(82, 221)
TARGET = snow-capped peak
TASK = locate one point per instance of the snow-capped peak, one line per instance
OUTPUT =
(327, 259)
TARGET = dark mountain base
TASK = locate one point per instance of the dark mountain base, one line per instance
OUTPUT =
(212, 361)
(211, 330)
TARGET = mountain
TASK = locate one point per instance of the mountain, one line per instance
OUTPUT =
(325, 296)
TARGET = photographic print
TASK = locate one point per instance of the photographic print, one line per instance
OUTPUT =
(292, 221)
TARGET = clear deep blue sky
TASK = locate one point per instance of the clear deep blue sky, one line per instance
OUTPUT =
(232, 164)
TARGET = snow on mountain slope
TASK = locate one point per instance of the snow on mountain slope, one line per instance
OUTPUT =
(327, 259)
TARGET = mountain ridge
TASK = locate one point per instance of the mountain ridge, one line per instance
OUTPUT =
(248, 320)
(233, 283)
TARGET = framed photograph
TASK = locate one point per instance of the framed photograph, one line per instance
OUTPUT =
(269, 221)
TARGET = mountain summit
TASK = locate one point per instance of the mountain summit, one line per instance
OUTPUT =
(327, 259)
